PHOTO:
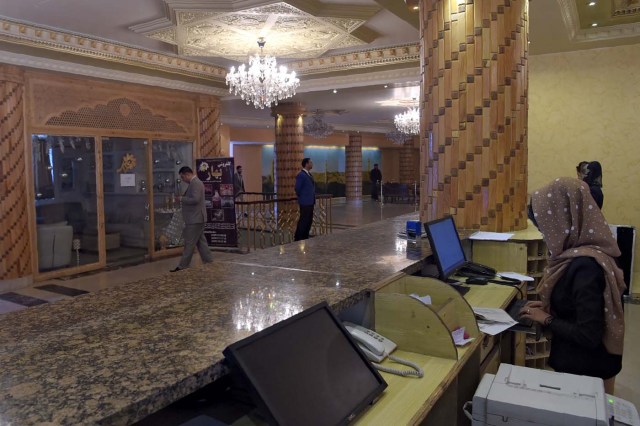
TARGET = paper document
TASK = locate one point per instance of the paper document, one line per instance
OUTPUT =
(424, 299)
(515, 275)
(493, 321)
(492, 236)
(458, 337)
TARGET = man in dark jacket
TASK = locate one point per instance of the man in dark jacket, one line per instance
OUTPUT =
(375, 176)
(306, 192)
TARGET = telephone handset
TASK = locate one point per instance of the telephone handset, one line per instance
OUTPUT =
(377, 348)
(374, 346)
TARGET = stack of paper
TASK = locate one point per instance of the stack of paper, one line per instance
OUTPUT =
(493, 321)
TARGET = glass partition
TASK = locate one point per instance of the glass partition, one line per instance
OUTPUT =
(64, 171)
(168, 158)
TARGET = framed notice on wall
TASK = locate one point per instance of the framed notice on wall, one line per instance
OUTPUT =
(217, 176)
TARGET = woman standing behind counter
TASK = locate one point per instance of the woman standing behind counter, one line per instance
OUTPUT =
(581, 290)
(593, 178)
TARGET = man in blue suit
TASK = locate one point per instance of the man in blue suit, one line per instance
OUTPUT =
(306, 192)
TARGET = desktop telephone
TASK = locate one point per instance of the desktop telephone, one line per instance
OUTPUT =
(377, 348)
(477, 269)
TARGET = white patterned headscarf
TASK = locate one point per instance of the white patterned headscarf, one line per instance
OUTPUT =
(572, 226)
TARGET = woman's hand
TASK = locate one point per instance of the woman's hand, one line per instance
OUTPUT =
(533, 304)
(534, 312)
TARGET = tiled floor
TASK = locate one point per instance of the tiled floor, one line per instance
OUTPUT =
(345, 215)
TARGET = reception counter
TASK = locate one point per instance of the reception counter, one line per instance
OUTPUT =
(118, 355)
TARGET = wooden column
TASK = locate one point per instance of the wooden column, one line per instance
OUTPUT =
(15, 241)
(474, 112)
(408, 156)
(289, 146)
(353, 170)
(209, 127)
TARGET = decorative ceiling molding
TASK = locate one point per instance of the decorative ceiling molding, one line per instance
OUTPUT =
(268, 122)
(290, 31)
(361, 80)
(625, 7)
(571, 21)
(97, 72)
(77, 44)
(313, 7)
(363, 59)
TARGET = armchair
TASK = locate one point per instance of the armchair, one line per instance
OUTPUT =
(54, 245)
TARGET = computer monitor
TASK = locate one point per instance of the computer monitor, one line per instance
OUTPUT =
(306, 370)
(445, 245)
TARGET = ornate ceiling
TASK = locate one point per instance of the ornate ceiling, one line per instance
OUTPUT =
(289, 31)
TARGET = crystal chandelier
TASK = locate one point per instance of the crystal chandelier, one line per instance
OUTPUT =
(408, 121)
(262, 83)
(398, 137)
(318, 128)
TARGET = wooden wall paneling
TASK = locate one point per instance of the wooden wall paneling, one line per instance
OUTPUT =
(478, 107)
(118, 109)
(353, 172)
(15, 247)
(209, 142)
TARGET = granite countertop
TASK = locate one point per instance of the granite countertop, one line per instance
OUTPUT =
(374, 250)
(118, 355)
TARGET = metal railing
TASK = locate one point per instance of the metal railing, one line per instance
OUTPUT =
(264, 221)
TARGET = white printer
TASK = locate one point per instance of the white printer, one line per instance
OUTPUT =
(518, 396)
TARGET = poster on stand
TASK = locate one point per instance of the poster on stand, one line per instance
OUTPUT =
(217, 176)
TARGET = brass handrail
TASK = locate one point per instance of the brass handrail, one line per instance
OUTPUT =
(264, 221)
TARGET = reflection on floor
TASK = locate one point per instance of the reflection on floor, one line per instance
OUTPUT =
(345, 215)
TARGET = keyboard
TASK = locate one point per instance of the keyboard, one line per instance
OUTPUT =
(514, 312)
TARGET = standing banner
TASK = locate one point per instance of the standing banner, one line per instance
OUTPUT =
(217, 176)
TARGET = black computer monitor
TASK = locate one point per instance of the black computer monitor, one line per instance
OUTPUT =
(445, 245)
(306, 370)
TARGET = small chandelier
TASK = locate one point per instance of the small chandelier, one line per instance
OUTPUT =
(263, 83)
(398, 137)
(318, 128)
(408, 122)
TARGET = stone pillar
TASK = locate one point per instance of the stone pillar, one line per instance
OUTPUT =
(408, 155)
(289, 146)
(209, 127)
(474, 112)
(15, 241)
(353, 170)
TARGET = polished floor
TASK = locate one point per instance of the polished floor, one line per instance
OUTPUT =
(345, 215)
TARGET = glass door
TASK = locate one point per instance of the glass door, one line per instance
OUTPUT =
(64, 173)
(168, 158)
(126, 200)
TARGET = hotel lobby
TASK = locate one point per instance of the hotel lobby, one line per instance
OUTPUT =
(102, 104)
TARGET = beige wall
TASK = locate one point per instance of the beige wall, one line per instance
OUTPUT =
(585, 105)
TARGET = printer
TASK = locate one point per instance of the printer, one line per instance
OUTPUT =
(518, 396)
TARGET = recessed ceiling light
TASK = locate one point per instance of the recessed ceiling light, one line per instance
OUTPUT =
(593, 3)
(335, 90)
(595, 24)
(386, 85)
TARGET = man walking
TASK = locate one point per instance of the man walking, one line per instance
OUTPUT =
(238, 182)
(306, 192)
(194, 214)
(375, 176)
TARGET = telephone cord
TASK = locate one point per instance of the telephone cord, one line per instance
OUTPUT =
(417, 371)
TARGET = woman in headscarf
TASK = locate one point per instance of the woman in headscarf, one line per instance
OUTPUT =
(581, 289)
(581, 169)
(593, 178)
